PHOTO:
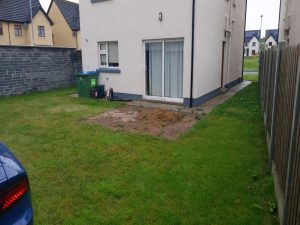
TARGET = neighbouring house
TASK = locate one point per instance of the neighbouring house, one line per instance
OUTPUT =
(289, 25)
(271, 38)
(19, 25)
(157, 50)
(252, 42)
(66, 28)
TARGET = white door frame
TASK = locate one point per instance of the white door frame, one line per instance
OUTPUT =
(163, 98)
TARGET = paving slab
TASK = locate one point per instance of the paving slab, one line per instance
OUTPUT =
(200, 110)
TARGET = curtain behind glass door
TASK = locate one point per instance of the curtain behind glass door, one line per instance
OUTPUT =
(173, 73)
(154, 67)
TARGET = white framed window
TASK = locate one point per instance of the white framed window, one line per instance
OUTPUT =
(109, 54)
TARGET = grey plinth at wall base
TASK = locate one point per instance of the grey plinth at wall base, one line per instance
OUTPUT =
(25, 69)
(186, 102)
(202, 99)
(233, 83)
(124, 96)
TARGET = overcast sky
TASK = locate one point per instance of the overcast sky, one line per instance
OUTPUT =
(45, 3)
(268, 8)
(270, 11)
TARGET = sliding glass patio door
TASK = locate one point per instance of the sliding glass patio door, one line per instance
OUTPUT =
(154, 64)
(164, 69)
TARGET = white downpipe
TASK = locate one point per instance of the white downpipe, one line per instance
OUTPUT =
(31, 17)
(229, 42)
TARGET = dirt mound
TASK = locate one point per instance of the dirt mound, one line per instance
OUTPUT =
(160, 117)
(156, 122)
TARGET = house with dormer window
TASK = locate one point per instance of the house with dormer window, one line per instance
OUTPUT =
(24, 22)
(271, 38)
(66, 28)
(251, 42)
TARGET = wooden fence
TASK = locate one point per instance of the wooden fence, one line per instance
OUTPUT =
(279, 82)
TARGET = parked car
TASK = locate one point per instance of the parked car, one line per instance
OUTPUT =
(15, 197)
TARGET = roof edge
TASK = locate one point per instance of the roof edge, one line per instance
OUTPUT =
(16, 21)
(45, 14)
(62, 14)
(50, 6)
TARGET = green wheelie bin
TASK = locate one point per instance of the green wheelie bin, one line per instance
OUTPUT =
(85, 82)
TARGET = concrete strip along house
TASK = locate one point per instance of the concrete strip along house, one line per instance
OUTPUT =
(251, 42)
(271, 38)
(289, 24)
(181, 51)
(66, 28)
(19, 25)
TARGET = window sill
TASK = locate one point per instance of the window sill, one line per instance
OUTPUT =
(96, 1)
(109, 70)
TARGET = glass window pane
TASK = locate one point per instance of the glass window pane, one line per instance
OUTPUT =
(154, 65)
(41, 31)
(173, 69)
(103, 60)
(103, 46)
(18, 30)
(113, 55)
(1, 29)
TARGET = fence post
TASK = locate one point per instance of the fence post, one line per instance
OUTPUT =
(292, 150)
(277, 72)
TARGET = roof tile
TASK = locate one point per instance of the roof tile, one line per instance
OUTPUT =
(249, 34)
(273, 33)
(70, 11)
(18, 10)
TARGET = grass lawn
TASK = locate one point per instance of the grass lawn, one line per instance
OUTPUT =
(85, 174)
(251, 77)
(251, 63)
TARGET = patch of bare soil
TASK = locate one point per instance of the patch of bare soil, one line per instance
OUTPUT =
(156, 122)
(159, 117)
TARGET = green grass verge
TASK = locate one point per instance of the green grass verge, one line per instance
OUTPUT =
(86, 174)
(251, 77)
(251, 63)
